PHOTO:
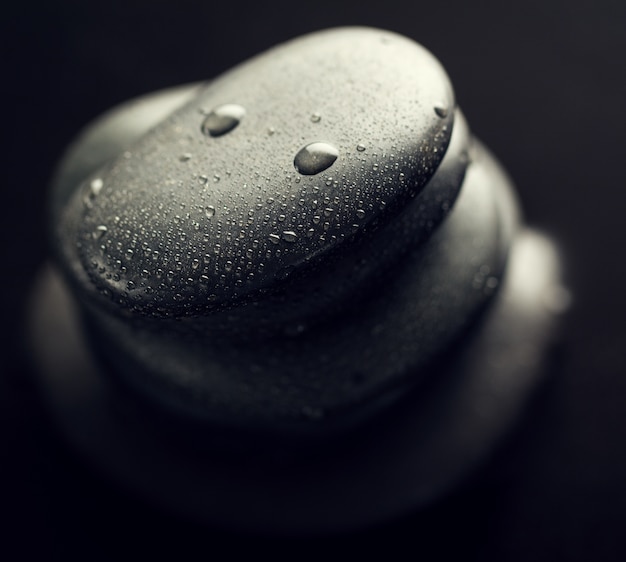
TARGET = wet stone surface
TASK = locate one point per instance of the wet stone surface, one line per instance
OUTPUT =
(265, 170)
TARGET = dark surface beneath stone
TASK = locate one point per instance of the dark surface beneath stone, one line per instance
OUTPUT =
(542, 85)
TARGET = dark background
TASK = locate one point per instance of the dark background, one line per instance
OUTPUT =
(543, 84)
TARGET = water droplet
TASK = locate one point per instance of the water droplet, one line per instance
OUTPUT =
(289, 236)
(315, 158)
(99, 232)
(274, 238)
(223, 119)
(360, 213)
(209, 211)
(360, 147)
(271, 131)
(441, 110)
(284, 272)
(316, 118)
(95, 186)
(185, 157)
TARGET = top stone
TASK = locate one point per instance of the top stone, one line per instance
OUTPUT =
(273, 167)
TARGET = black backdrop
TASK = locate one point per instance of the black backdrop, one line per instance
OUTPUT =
(543, 84)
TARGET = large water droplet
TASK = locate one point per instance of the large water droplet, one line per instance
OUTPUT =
(315, 158)
(223, 119)
(289, 236)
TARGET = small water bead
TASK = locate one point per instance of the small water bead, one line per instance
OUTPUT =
(185, 157)
(316, 118)
(284, 272)
(360, 147)
(441, 111)
(209, 211)
(100, 231)
(315, 158)
(360, 214)
(223, 119)
(96, 186)
(274, 238)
